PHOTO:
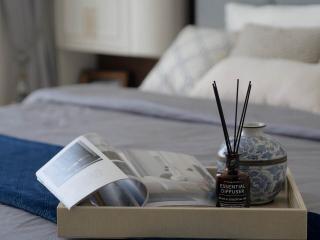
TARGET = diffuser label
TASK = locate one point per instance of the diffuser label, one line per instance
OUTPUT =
(232, 194)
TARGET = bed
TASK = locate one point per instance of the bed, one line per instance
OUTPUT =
(129, 118)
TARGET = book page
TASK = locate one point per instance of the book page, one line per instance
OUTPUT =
(78, 170)
(172, 179)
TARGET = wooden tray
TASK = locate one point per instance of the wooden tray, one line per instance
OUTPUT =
(284, 218)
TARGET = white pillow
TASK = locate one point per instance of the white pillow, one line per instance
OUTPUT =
(287, 16)
(190, 56)
(276, 82)
(299, 44)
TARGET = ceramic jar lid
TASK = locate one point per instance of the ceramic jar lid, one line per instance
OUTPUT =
(257, 146)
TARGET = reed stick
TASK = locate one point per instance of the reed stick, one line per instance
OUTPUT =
(243, 115)
(235, 119)
(223, 122)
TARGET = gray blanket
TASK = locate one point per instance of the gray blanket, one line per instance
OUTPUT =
(295, 124)
(128, 118)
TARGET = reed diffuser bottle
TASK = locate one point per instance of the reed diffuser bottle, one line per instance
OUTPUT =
(232, 186)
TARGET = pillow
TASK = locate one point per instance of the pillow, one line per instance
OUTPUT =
(276, 82)
(190, 56)
(287, 16)
(299, 44)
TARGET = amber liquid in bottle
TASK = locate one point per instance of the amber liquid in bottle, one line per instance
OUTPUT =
(233, 186)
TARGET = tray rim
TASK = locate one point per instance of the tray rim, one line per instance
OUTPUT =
(299, 210)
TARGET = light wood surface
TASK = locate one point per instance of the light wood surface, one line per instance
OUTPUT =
(285, 218)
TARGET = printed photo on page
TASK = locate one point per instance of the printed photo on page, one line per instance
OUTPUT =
(77, 171)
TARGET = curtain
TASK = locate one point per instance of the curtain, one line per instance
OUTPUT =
(30, 28)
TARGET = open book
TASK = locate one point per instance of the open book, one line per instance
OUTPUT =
(89, 168)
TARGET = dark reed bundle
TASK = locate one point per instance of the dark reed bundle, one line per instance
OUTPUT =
(232, 150)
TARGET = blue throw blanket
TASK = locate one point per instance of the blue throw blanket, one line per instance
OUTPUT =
(19, 161)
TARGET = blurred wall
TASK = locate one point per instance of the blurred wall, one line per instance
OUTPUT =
(210, 13)
(5, 91)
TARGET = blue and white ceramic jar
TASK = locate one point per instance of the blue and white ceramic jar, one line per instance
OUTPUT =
(263, 158)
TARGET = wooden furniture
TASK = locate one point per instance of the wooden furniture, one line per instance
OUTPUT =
(142, 28)
(122, 28)
(137, 68)
(89, 76)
